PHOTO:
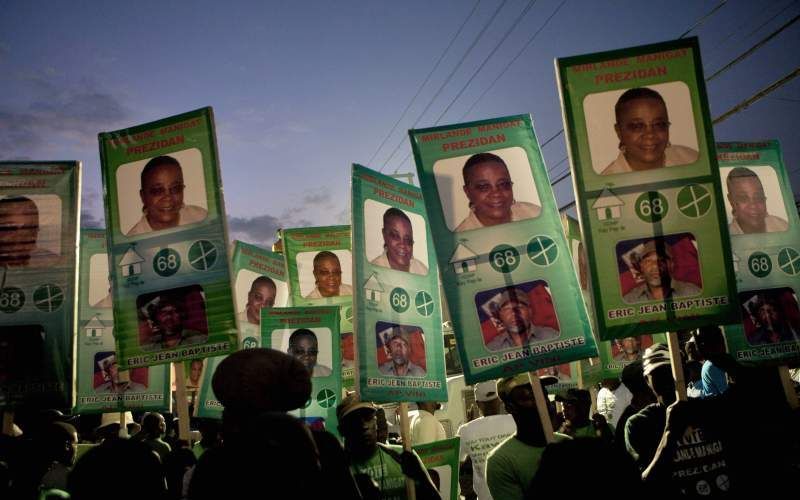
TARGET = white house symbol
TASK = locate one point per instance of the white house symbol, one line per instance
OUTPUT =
(463, 259)
(94, 327)
(131, 262)
(607, 205)
(373, 288)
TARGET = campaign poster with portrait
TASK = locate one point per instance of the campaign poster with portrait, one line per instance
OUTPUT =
(440, 459)
(259, 282)
(167, 236)
(319, 265)
(102, 387)
(512, 292)
(765, 240)
(39, 212)
(311, 335)
(647, 186)
(399, 325)
(347, 347)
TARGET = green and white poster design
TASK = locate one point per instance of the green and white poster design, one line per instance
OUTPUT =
(647, 185)
(310, 334)
(168, 241)
(398, 311)
(39, 212)
(319, 265)
(347, 347)
(440, 459)
(259, 282)
(765, 239)
(102, 387)
(513, 296)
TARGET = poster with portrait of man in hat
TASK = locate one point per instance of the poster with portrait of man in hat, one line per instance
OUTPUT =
(765, 240)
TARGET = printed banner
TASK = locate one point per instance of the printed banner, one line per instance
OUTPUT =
(440, 458)
(647, 187)
(399, 327)
(39, 211)
(102, 387)
(765, 239)
(319, 265)
(168, 241)
(504, 261)
(310, 334)
(568, 375)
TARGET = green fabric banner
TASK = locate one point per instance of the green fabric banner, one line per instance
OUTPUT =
(765, 239)
(509, 283)
(399, 326)
(168, 241)
(39, 212)
(102, 387)
(647, 186)
(440, 458)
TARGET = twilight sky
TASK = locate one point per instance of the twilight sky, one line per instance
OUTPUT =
(302, 89)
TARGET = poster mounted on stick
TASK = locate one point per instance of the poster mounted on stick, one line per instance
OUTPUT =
(168, 239)
(512, 293)
(765, 240)
(39, 211)
(440, 458)
(399, 318)
(102, 387)
(647, 186)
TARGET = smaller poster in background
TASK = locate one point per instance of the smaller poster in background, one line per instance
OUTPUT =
(568, 375)
(440, 459)
(319, 265)
(311, 335)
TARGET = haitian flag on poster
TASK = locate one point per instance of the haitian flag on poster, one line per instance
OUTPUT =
(440, 458)
(101, 386)
(310, 334)
(259, 281)
(765, 239)
(504, 261)
(168, 241)
(647, 187)
(39, 211)
(399, 326)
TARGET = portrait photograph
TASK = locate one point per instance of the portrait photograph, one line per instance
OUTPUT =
(347, 346)
(486, 189)
(313, 347)
(172, 318)
(562, 372)
(107, 377)
(327, 273)
(641, 128)
(30, 230)
(193, 373)
(400, 350)
(163, 192)
(753, 200)
(99, 284)
(770, 316)
(394, 238)
(629, 349)
(517, 315)
(251, 288)
(659, 268)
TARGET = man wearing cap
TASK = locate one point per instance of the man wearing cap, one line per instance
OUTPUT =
(510, 312)
(375, 465)
(653, 261)
(482, 435)
(399, 347)
(511, 466)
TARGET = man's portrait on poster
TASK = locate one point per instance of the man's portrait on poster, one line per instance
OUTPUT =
(401, 242)
(659, 268)
(403, 349)
(487, 189)
(108, 377)
(750, 209)
(770, 316)
(641, 128)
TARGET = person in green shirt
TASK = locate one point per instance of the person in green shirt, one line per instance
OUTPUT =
(511, 466)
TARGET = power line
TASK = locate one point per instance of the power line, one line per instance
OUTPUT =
(739, 28)
(548, 141)
(427, 78)
(705, 18)
(758, 95)
(447, 80)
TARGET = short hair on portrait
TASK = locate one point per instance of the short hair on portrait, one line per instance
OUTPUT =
(325, 254)
(478, 159)
(156, 162)
(165, 301)
(11, 200)
(301, 333)
(263, 280)
(741, 173)
(633, 94)
(394, 213)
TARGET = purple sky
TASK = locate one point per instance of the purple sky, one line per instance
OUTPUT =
(301, 90)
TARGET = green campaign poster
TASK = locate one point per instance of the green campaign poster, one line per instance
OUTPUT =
(568, 375)
(647, 186)
(508, 279)
(399, 316)
(259, 281)
(101, 386)
(765, 239)
(168, 239)
(347, 347)
(319, 265)
(39, 211)
(310, 334)
(440, 458)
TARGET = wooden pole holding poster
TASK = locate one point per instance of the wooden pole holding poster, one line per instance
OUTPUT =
(8, 422)
(788, 387)
(181, 402)
(405, 433)
(677, 365)
(541, 407)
